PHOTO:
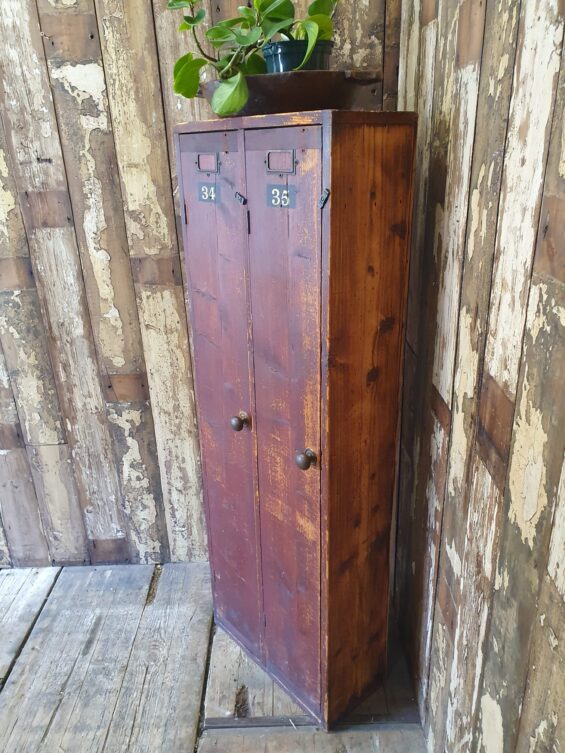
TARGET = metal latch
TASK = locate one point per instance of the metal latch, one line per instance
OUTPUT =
(242, 200)
(324, 198)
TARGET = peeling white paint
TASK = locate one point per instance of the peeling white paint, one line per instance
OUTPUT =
(454, 559)
(453, 233)
(139, 502)
(164, 340)
(556, 564)
(466, 373)
(85, 82)
(141, 156)
(526, 148)
(492, 730)
(7, 200)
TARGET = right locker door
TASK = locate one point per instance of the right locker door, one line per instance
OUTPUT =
(283, 175)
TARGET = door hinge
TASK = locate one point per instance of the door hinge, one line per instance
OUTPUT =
(324, 198)
(248, 222)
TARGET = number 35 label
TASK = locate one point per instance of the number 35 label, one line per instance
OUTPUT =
(208, 192)
(281, 197)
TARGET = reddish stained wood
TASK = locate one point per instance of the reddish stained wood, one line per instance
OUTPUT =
(216, 262)
(368, 255)
(285, 263)
(314, 560)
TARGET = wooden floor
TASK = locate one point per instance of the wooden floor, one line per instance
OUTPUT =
(126, 660)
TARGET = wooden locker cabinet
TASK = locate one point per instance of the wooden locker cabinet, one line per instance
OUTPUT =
(296, 233)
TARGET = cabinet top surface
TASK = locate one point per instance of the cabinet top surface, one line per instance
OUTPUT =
(314, 117)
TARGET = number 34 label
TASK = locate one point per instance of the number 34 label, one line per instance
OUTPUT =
(282, 197)
(208, 192)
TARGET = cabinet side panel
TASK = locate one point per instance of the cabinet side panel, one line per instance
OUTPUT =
(368, 265)
(215, 236)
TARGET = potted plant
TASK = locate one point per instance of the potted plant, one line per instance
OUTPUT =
(265, 38)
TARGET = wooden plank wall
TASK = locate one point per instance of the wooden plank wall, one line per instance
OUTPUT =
(99, 456)
(479, 583)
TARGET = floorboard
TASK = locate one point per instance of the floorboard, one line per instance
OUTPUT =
(111, 642)
(22, 595)
(285, 741)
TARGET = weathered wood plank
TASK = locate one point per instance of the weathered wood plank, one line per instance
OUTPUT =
(534, 474)
(542, 719)
(237, 687)
(359, 36)
(55, 486)
(451, 240)
(19, 510)
(66, 682)
(74, 57)
(409, 55)
(22, 595)
(139, 131)
(535, 83)
(81, 104)
(276, 741)
(391, 53)
(159, 702)
(37, 159)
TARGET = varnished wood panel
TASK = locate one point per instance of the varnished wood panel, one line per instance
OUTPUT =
(285, 273)
(216, 261)
(366, 283)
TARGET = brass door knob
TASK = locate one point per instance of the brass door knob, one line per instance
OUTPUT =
(238, 423)
(305, 460)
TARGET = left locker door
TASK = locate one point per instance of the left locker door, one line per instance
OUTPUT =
(216, 248)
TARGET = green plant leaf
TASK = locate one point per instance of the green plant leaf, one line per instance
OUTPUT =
(249, 38)
(187, 77)
(254, 65)
(231, 95)
(325, 25)
(276, 10)
(311, 30)
(271, 28)
(324, 7)
(247, 13)
(191, 21)
(177, 4)
(181, 61)
(220, 36)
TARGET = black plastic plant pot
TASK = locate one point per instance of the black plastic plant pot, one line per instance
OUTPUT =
(285, 56)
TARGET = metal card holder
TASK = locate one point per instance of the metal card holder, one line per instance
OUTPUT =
(207, 162)
(281, 161)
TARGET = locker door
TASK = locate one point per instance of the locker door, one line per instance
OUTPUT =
(284, 185)
(216, 259)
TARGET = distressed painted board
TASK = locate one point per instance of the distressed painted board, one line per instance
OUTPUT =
(273, 741)
(22, 595)
(141, 148)
(34, 146)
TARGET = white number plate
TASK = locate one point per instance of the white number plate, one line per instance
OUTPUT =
(281, 197)
(208, 192)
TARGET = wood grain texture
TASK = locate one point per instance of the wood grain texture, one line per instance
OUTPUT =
(363, 349)
(218, 282)
(238, 688)
(22, 595)
(141, 148)
(101, 666)
(39, 171)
